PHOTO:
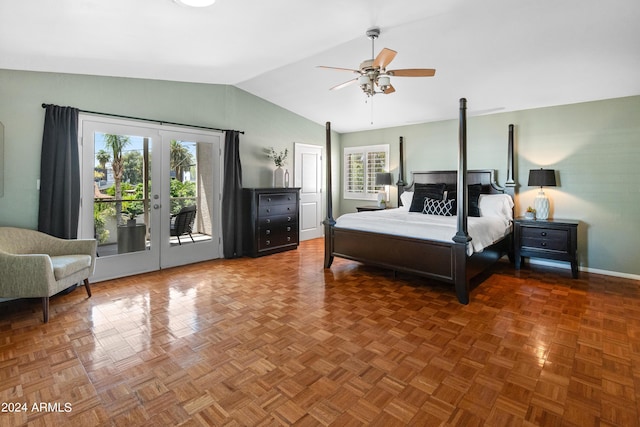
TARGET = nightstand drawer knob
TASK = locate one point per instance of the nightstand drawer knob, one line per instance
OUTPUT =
(268, 220)
(268, 242)
(543, 244)
(544, 233)
(267, 232)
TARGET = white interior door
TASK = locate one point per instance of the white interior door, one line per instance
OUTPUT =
(136, 177)
(308, 176)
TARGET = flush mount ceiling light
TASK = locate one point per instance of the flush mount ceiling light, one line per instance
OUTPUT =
(195, 3)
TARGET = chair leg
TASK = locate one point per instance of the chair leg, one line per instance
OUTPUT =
(87, 287)
(179, 242)
(45, 309)
(191, 238)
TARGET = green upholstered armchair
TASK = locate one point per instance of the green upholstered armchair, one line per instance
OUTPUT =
(37, 265)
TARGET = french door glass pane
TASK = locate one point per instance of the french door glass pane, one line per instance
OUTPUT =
(191, 169)
(122, 183)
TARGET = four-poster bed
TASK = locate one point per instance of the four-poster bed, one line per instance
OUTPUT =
(451, 261)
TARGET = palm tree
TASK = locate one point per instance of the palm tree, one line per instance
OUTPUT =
(103, 158)
(117, 143)
(180, 159)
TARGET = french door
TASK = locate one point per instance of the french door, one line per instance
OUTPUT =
(150, 195)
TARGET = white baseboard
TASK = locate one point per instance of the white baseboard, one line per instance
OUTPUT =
(567, 266)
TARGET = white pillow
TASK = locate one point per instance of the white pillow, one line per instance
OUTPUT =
(500, 205)
(406, 198)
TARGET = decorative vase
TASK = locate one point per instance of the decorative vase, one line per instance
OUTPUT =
(278, 177)
(286, 178)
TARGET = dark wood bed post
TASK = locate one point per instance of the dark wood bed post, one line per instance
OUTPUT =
(510, 183)
(462, 237)
(401, 184)
(329, 222)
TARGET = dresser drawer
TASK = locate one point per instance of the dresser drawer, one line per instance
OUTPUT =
(279, 236)
(272, 221)
(543, 238)
(274, 210)
(276, 199)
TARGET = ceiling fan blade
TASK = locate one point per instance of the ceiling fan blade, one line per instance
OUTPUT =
(389, 90)
(345, 84)
(413, 72)
(338, 68)
(384, 58)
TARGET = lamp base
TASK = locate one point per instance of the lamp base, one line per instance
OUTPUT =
(541, 205)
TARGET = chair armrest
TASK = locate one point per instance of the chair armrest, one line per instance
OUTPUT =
(25, 276)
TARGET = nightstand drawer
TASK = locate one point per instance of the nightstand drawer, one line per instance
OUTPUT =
(544, 238)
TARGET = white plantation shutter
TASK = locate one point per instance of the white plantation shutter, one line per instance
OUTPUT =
(360, 167)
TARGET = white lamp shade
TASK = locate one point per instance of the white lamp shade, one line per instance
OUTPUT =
(384, 81)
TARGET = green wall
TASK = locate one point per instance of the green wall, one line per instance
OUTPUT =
(22, 94)
(594, 146)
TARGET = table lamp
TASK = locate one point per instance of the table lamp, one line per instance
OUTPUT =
(542, 178)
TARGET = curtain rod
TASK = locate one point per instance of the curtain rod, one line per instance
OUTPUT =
(149, 120)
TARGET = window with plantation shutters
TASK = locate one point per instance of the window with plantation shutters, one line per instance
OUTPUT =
(360, 167)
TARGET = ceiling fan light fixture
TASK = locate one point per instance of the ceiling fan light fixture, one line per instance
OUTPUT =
(384, 82)
(195, 3)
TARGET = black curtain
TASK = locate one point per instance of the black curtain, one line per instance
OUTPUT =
(232, 197)
(60, 173)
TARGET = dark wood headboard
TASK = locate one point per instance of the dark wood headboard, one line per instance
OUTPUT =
(486, 177)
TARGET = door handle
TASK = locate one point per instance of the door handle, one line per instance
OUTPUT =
(156, 206)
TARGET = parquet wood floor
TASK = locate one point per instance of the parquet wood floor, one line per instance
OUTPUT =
(281, 341)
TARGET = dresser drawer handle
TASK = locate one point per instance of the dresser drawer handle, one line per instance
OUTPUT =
(268, 242)
(268, 221)
(543, 244)
(289, 208)
(288, 228)
(289, 198)
(544, 233)
(289, 218)
(268, 199)
(268, 210)
(288, 239)
(267, 232)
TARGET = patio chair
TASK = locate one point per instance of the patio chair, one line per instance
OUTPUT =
(37, 265)
(182, 222)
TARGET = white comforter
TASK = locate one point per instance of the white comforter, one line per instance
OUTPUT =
(484, 231)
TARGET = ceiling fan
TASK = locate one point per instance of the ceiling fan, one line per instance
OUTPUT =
(373, 74)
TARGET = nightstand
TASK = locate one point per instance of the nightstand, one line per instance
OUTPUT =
(370, 208)
(555, 239)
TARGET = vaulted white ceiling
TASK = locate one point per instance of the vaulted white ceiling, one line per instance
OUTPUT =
(502, 55)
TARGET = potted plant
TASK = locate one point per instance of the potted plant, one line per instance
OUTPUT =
(132, 210)
(279, 159)
(530, 213)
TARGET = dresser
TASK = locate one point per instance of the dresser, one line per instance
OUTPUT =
(555, 239)
(270, 220)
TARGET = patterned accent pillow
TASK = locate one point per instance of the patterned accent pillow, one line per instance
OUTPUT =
(438, 207)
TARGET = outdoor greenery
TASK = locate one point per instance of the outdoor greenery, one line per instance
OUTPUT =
(128, 188)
